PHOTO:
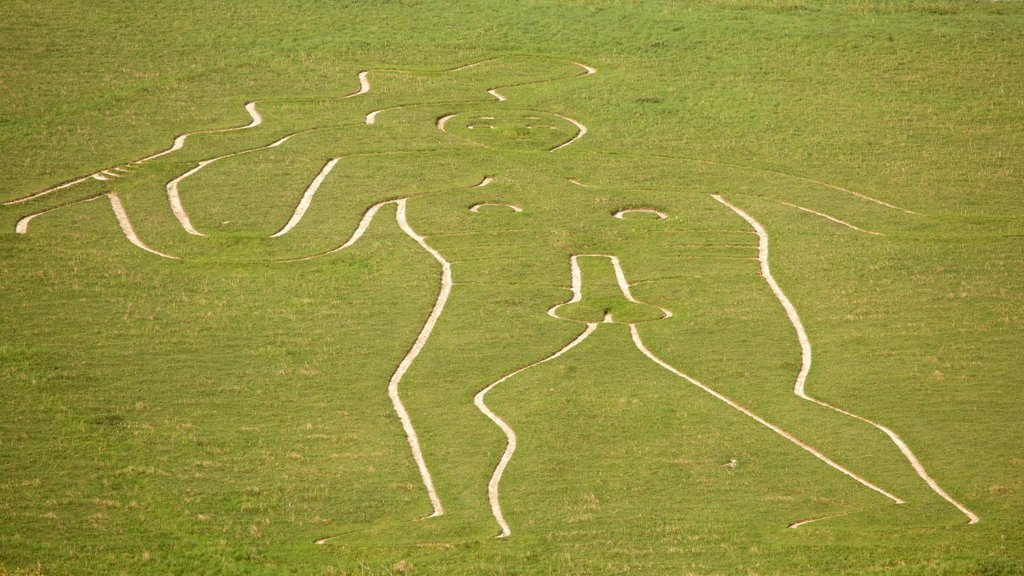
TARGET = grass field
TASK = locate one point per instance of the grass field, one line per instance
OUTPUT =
(223, 402)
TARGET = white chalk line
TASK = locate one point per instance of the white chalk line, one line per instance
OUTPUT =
(21, 227)
(174, 195)
(128, 229)
(444, 120)
(587, 71)
(364, 85)
(621, 214)
(805, 363)
(806, 179)
(178, 143)
(393, 383)
(831, 218)
(640, 346)
(457, 68)
(119, 213)
(847, 191)
(581, 130)
(470, 65)
(364, 224)
(493, 486)
(421, 340)
(476, 207)
(576, 286)
(371, 118)
(364, 75)
(800, 523)
(788, 175)
(49, 190)
(307, 198)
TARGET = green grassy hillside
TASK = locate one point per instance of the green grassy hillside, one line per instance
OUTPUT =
(225, 402)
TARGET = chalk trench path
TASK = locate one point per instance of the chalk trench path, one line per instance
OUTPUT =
(581, 130)
(445, 290)
(811, 181)
(830, 218)
(587, 71)
(437, 509)
(576, 286)
(493, 487)
(477, 207)
(635, 334)
(371, 117)
(119, 213)
(805, 364)
(307, 198)
(177, 207)
(621, 214)
(128, 229)
(179, 142)
(174, 196)
(21, 227)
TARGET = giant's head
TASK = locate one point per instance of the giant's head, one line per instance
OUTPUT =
(512, 129)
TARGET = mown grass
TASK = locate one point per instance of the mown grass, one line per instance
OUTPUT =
(217, 415)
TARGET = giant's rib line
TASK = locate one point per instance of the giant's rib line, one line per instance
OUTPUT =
(307, 198)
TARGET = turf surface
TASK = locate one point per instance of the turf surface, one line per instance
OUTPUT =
(218, 414)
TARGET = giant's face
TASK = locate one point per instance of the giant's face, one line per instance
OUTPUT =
(511, 129)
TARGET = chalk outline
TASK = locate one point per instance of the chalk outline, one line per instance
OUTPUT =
(827, 217)
(364, 88)
(805, 362)
(620, 214)
(494, 484)
(638, 342)
(476, 207)
(576, 287)
(307, 198)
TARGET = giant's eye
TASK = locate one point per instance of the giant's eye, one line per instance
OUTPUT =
(481, 122)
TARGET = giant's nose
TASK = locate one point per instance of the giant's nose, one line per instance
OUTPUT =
(601, 293)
